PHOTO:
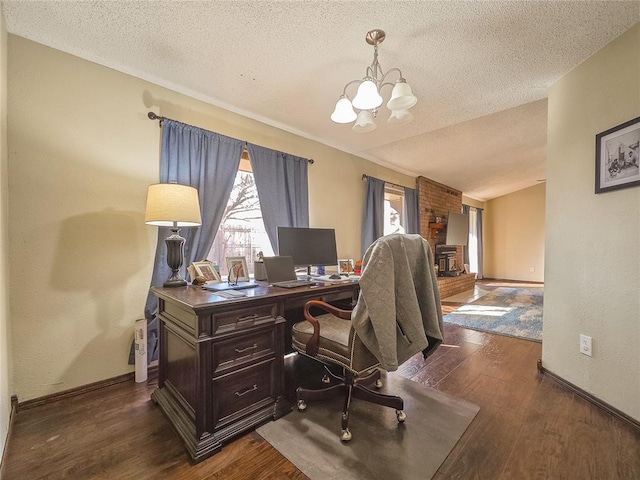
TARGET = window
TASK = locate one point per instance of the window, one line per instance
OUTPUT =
(241, 232)
(394, 213)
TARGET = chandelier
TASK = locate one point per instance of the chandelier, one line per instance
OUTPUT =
(368, 98)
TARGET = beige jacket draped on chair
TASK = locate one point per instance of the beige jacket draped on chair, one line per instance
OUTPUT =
(399, 312)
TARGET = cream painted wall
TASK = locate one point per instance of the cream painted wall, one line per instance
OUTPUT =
(592, 273)
(82, 155)
(513, 233)
(5, 358)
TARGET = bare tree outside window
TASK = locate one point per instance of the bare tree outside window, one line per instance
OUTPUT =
(241, 232)
(393, 210)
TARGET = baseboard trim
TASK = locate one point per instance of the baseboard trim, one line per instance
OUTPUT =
(152, 372)
(12, 415)
(590, 398)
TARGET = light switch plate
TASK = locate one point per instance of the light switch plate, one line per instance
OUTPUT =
(585, 345)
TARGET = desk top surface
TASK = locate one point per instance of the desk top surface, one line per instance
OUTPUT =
(196, 296)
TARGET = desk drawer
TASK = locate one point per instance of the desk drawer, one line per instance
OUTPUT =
(243, 391)
(241, 318)
(241, 349)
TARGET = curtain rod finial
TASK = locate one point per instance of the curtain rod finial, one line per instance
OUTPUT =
(153, 116)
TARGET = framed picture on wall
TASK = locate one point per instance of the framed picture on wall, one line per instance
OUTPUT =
(617, 157)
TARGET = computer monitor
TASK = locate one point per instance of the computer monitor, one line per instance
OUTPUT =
(308, 246)
(457, 229)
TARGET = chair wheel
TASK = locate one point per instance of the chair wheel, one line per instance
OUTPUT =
(401, 416)
(302, 405)
(378, 383)
(345, 435)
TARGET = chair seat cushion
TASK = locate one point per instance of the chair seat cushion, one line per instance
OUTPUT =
(334, 337)
(338, 343)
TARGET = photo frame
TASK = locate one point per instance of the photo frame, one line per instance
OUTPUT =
(618, 157)
(345, 265)
(238, 271)
(207, 270)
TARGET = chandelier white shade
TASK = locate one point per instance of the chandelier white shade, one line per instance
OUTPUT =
(364, 122)
(344, 111)
(402, 97)
(368, 95)
(400, 116)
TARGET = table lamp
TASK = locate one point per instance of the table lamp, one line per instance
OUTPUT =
(173, 205)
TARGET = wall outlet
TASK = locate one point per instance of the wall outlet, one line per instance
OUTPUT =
(532, 269)
(585, 345)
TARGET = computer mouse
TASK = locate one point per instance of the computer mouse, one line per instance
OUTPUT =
(334, 277)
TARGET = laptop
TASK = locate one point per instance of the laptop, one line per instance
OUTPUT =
(282, 273)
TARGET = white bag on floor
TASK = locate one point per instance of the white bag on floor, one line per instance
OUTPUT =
(141, 350)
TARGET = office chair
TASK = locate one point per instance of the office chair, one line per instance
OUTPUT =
(397, 315)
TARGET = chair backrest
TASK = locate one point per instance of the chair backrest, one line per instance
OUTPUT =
(398, 313)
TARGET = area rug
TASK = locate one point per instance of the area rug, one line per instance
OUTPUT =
(516, 312)
(381, 448)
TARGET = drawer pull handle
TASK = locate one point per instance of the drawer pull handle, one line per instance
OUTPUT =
(248, 390)
(242, 350)
(248, 318)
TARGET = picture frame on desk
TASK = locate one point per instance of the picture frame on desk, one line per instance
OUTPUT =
(345, 265)
(238, 271)
(207, 270)
(618, 157)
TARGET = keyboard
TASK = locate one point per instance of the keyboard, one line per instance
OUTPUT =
(231, 294)
(293, 283)
(228, 286)
(342, 279)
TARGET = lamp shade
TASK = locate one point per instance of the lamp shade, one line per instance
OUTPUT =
(400, 116)
(364, 122)
(367, 97)
(401, 97)
(171, 204)
(344, 111)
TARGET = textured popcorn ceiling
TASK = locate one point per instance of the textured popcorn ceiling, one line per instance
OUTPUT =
(481, 70)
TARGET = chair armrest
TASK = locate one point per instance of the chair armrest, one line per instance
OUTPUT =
(314, 342)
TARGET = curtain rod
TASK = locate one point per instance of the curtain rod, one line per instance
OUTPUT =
(365, 176)
(153, 116)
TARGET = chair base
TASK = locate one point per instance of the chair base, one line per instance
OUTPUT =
(352, 387)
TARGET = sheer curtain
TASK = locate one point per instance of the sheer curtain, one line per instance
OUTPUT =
(466, 209)
(207, 161)
(283, 188)
(411, 210)
(473, 254)
(373, 218)
(479, 239)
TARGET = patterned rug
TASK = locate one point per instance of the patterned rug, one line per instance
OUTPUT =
(516, 312)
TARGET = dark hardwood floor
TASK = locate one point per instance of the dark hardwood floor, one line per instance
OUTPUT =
(528, 427)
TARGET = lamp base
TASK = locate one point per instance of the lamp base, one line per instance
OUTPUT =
(175, 281)
(175, 257)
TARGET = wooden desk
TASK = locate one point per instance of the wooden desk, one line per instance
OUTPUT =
(221, 361)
